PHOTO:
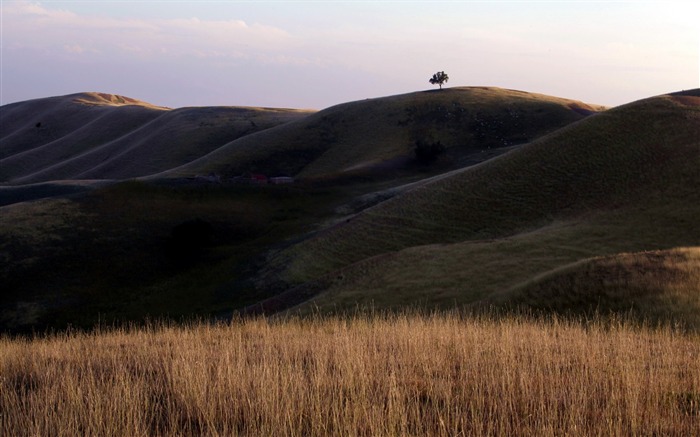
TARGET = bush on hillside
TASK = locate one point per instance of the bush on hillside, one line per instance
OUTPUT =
(428, 152)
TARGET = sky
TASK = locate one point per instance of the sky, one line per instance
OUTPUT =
(315, 54)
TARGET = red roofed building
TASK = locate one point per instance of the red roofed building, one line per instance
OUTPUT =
(258, 178)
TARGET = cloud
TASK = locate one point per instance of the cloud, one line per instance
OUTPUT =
(30, 25)
(74, 48)
(324, 53)
(184, 61)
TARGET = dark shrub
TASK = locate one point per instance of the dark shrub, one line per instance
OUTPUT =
(427, 153)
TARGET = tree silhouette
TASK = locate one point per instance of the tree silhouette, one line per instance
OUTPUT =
(439, 78)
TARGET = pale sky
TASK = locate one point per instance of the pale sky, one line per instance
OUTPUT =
(315, 54)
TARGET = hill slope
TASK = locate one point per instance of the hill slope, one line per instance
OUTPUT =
(95, 251)
(650, 284)
(378, 136)
(625, 180)
(103, 136)
(621, 181)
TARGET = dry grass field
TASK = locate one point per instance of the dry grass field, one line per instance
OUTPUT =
(441, 374)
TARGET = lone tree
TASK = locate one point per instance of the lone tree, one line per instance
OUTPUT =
(439, 78)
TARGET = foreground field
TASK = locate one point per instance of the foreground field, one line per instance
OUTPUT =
(396, 375)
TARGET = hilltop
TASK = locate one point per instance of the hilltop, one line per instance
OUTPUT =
(377, 137)
(104, 136)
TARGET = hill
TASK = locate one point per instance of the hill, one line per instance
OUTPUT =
(378, 136)
(654, 285)
(103, 136)
(621, 181)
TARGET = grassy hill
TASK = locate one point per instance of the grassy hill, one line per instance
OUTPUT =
(378, 136)
(103, 136)
(661, 285)
(621, 181)
(128, 251)
(599, 216)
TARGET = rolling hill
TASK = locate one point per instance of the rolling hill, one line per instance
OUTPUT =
(513, 286)
(103, 136)
(660, 285)
(622, 181)
(530, 192)
(378, 136)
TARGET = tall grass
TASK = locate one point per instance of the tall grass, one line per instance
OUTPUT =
(361, 376)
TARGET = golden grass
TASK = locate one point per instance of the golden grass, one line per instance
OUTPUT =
(103, 99)
(392, 375)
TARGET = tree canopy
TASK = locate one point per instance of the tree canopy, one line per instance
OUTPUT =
(439, 78)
